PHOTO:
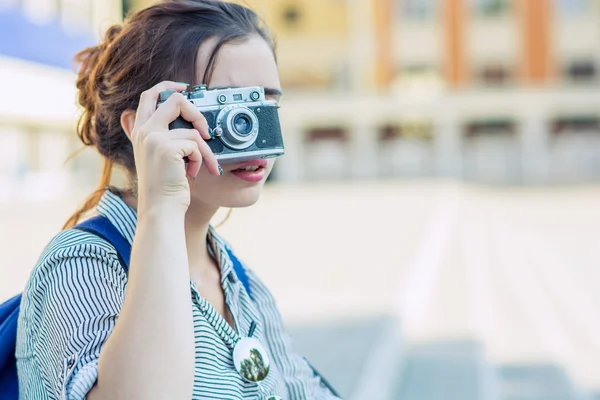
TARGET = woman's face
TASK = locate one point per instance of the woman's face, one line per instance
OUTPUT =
(249, 63)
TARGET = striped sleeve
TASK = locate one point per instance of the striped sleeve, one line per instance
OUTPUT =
(69, 309)
(299, 377)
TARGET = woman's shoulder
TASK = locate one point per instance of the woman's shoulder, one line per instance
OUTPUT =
(76, 243)
(76, 272)
(71, 251)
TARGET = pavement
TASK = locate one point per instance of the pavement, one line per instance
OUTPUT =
(415, 290)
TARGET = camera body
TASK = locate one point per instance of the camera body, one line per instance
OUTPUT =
(243, 123)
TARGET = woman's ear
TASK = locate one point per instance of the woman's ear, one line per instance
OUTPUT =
(128, 122)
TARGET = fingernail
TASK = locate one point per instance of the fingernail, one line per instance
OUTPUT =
(183, 83)
(221, 170)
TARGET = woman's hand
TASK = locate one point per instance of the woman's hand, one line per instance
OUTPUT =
(159, 152)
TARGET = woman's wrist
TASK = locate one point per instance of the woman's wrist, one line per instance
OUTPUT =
(159, 210)
(160, 236)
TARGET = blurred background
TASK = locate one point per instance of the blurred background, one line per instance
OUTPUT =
(432, 231)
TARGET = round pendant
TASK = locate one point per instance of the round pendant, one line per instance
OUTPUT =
(251, 360)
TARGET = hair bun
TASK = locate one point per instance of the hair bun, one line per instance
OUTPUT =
(89, 64)
(111, 34)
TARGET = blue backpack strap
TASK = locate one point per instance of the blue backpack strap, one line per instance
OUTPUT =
(102, 227)
(9, 310)
(239, 271)
(9, 314)
(243, 277)
(8, 307)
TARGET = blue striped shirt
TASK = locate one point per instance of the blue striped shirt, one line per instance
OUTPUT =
(75, 293)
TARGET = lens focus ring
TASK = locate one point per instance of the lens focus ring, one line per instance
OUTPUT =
(240, 126)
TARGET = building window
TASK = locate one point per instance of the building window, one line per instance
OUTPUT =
(495, 75)
(291, 15)
(418, 72)
(417, 9)
(577, 123)
(40, 11)
(8, 3)
(584, 71)
(573, 7)
(126, 7)
(418, 75)
(490, 8)
(76, 15)
(325, 133)
(490, 127)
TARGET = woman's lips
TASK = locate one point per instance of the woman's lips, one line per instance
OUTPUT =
(251, 171)
(250, 176)
(252, 163)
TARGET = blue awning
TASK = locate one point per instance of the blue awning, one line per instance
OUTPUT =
(45, 44)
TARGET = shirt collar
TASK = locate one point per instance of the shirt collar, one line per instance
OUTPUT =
(124, 218)
(217, 247)
(119, 213)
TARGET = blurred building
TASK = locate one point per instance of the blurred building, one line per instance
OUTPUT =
(495, 91)
(38, 39)
(501, 91)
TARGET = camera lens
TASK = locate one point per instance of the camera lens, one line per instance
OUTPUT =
(242, 124)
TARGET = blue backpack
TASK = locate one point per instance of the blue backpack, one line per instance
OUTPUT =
(9, 310)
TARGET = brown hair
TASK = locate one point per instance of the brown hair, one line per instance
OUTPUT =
(155, 44)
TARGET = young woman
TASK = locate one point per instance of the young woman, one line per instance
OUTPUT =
(167, 328)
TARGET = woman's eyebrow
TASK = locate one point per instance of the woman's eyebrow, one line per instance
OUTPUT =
(273, 92)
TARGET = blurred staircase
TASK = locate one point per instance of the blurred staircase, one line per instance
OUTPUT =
(449, 371)
(339, 350)
(445, 370)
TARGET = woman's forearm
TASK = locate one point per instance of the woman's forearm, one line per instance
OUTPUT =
(150, 354)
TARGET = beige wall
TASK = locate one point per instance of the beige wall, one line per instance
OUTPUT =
(312, 52)
(334, 44)
(318, 18)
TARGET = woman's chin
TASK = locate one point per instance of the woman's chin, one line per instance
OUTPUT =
(245, 198)
(233, 199)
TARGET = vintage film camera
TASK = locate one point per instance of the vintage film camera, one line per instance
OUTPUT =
(244, 124)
